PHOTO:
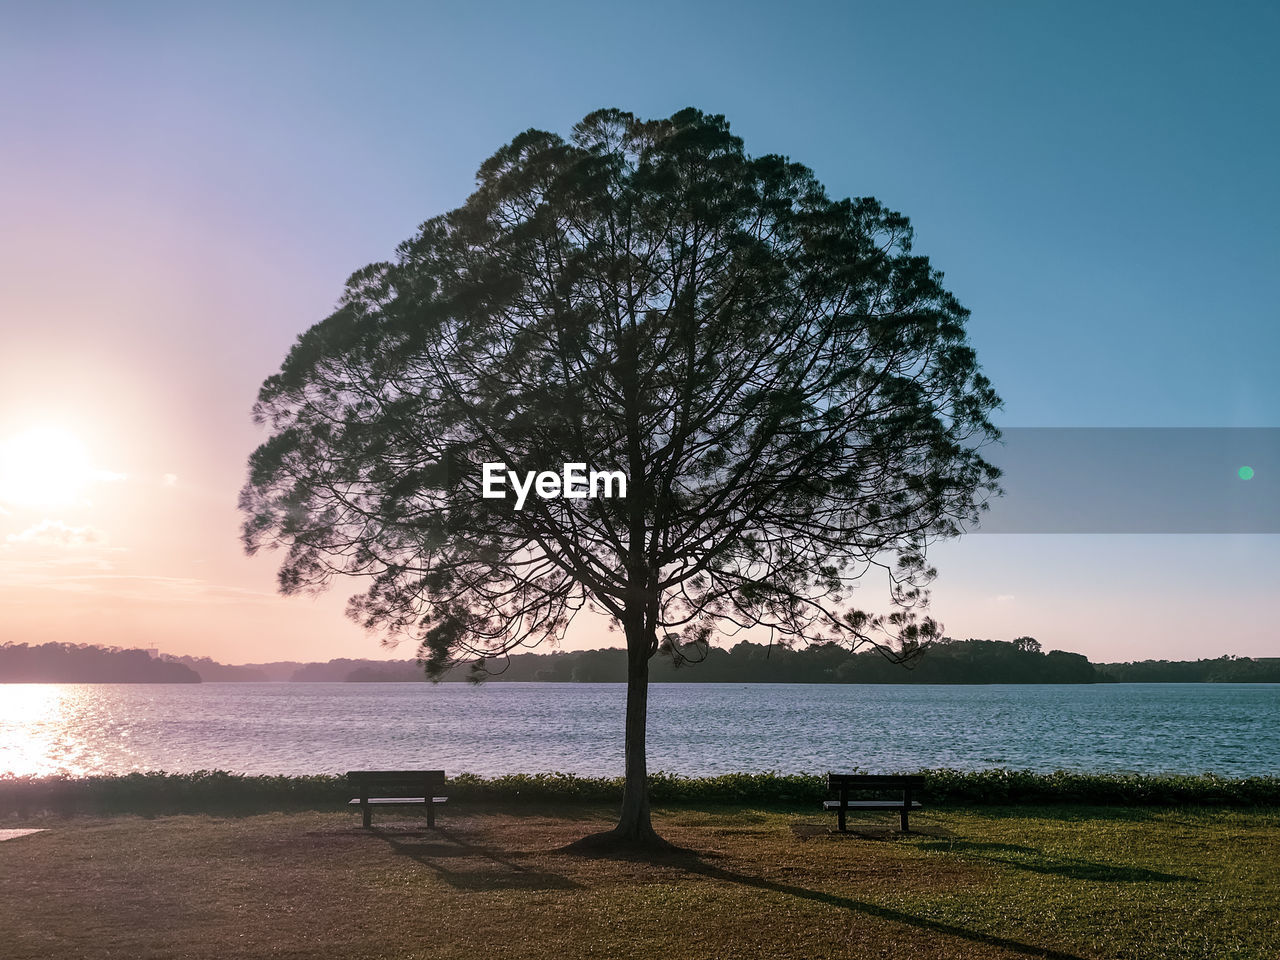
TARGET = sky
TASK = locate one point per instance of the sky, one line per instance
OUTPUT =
(184, 189)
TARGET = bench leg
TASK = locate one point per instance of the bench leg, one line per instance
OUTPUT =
(367, 812)
(431, 813)
(840, 820)
(905, 828)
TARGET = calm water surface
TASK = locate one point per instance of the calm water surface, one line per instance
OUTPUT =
(694, 729)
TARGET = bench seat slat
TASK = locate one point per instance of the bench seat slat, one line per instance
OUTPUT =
(396, 801)
(869, 804)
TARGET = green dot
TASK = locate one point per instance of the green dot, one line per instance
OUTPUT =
(1245, 473)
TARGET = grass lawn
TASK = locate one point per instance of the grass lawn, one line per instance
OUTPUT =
(1051, 882)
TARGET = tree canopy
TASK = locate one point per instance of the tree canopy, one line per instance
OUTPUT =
(786, 385)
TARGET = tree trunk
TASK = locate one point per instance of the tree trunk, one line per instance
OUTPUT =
(634, 829)
(639, 617)
(633, 823)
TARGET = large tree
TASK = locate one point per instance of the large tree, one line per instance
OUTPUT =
(787, 387)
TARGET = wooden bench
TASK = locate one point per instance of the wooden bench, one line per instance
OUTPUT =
(397, 788)
(843, 783)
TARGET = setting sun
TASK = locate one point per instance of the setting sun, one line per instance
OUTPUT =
(44, 466)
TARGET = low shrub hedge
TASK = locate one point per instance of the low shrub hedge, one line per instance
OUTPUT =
(219, 791)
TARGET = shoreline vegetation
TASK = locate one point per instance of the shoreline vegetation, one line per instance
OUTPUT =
(219, 791)
(947, 661)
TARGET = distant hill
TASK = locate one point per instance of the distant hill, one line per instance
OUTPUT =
(949, 661)
(333, 671)
(211, 671)
(278, 669)
(969, 661)
(84, 663)
(1219, 670)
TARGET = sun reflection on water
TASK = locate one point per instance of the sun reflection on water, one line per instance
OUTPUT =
(39, 724)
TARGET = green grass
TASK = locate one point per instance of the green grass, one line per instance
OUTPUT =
(1058, 882)
(1117, 883)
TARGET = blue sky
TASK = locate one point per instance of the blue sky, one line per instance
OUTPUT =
(185, 188)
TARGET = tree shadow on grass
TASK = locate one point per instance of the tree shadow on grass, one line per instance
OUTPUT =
(1063, 812)
(1029, 858)
(466, 865)
(807, 830)
(694, 863)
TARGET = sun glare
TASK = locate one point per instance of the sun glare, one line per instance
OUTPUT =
(38, 730)
(44, 466)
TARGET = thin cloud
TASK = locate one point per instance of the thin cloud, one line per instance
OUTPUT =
(137, 587)
(55, 533)
(28, 569)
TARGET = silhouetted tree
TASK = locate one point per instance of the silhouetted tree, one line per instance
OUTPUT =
(788, 388)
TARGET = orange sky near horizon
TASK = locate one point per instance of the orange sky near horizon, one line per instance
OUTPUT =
(143, 555)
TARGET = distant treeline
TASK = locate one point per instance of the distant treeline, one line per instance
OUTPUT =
(1221, 670)
(213, 672)
(958, 661)
(948, 661)
(84, 663)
